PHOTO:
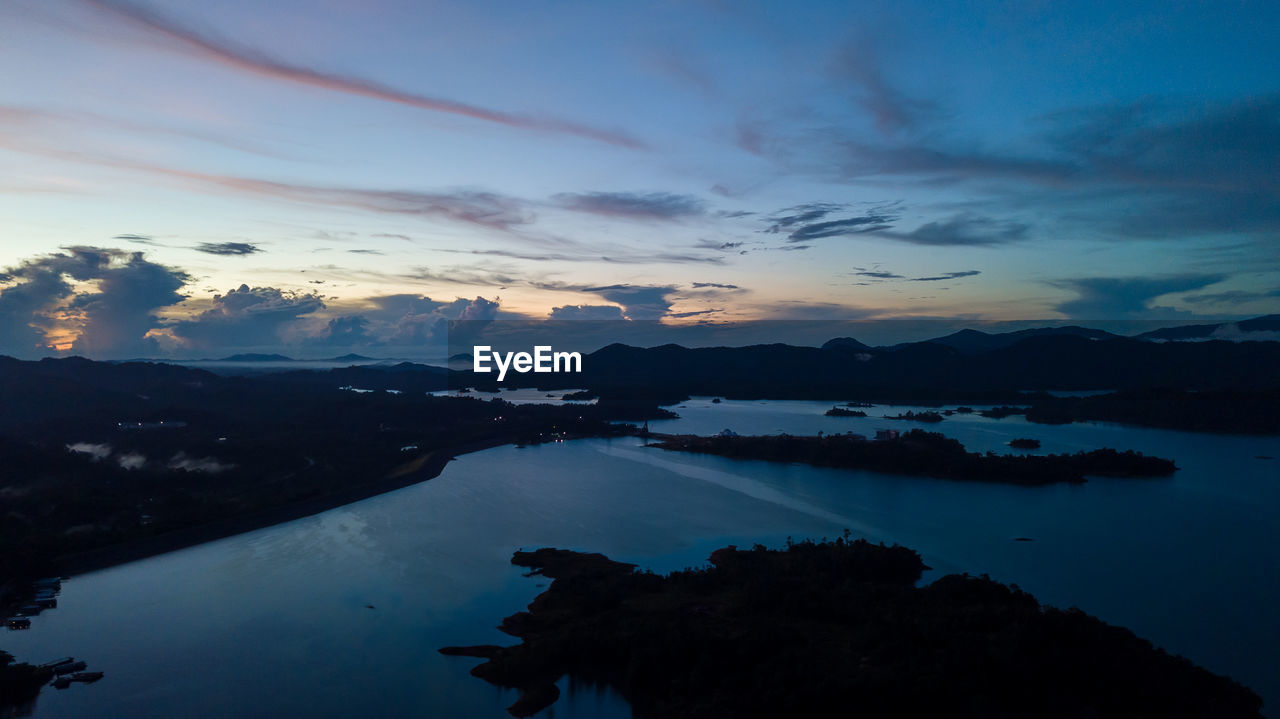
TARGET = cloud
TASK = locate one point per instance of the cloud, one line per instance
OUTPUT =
(1232, 297)
(587, 312)
(227, 249)
(1149, 169)
(101, 300)
(620, 256)
(365, 252)
(699, 285)
(694, 313)
(482, 209)
(805, 223)
(639, 302)
(721, 246)
(254, 61)
(651, 206)
(876, 274)
(801, 214)
(137, 239)
(964, 229)
(1123, 297)
(946, 276)
(346, 331)
(418, 321)
(246, 317)
(891, 109)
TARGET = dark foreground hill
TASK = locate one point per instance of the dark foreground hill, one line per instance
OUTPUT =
(833, 629)
(845, 368)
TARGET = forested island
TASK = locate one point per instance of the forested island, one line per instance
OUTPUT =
(19, 682)
(910, 416)
(832, 628)
(1244, 412)
(926, 454)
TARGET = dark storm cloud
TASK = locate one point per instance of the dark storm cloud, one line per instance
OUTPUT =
(346, 331)
(246, 317)
(638, 302)
(1113, 297)
(227, 249)
(112, 317)
(208, 46)
(650, 206)
(961, 230)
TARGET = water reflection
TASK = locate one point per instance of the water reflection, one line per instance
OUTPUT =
(340, 614)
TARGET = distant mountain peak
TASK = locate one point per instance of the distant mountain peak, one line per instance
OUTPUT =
(844, 343)
(255, 357)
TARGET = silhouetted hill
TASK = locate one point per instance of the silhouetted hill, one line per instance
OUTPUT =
(847, 344)
(353, 357)
(1047, 361)
(254, 357)
(976, 342)
(1268, 323)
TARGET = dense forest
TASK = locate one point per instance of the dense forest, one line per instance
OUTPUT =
(98, 455)
(925, 454)
(833, 628)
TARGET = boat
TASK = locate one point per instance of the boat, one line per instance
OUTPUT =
(62, 682)
(69, 668)
(86, 677)
(18, 623)
(56, 662)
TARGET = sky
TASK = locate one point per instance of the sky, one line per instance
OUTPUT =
(183, 179)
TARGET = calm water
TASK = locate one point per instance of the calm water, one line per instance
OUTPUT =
(275, 622)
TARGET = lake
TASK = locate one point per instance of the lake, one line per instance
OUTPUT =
(278, 621)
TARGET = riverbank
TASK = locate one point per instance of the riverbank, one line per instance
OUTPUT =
(422, 469)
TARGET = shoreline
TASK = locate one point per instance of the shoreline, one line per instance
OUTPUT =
(428, 467)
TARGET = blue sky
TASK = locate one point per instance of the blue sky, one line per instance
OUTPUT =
(188, 179)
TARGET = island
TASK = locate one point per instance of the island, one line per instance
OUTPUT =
(1024, 443)
(931, 417)
(925, 454)
(19, 682)
(842, 412)
(827, 628)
